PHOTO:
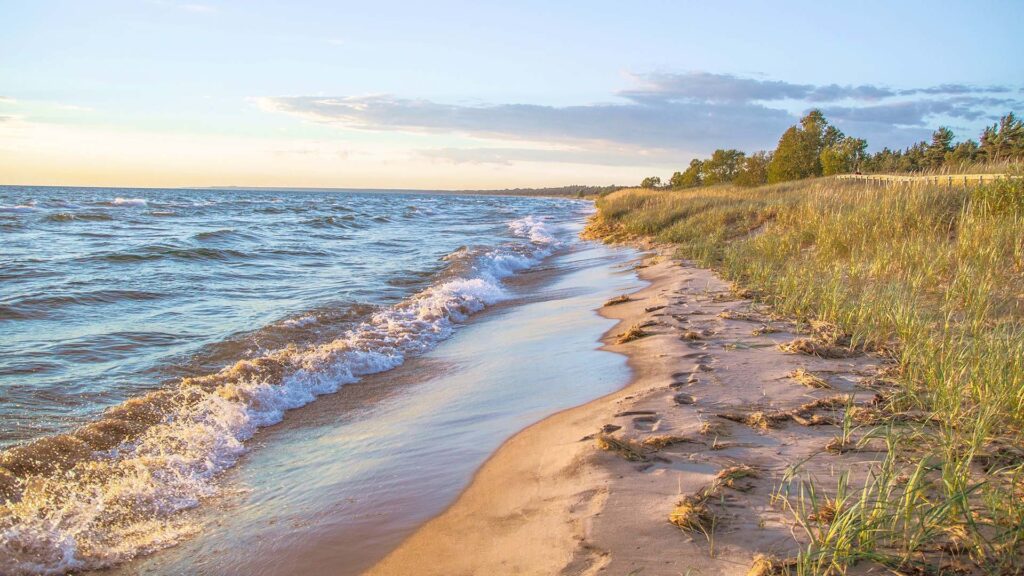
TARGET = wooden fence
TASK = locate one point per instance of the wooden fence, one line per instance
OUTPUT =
(949, 180)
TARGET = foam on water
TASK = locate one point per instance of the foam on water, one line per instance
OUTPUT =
(113, 489)
(128, 201)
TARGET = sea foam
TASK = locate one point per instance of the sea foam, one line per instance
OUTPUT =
(128, 201)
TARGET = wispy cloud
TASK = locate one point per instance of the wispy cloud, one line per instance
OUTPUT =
(75, 108)
(686, 125)
(7, 100)
(510, 156)
(709, 87)
(664, 115)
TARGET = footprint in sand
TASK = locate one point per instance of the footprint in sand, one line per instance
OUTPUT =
(684, 379)
(683, 399)
(645, 423)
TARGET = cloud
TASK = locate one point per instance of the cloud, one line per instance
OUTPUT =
(7, 100)
(664, 115)
(920, 112)
(510, 156)
(75, 108)
(709, 87)
(953, 89)
(675, 125)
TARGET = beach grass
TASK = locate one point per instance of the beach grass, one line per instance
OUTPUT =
(929, 277)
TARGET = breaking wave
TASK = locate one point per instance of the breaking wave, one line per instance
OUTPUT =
(128, 201)
(111, 490)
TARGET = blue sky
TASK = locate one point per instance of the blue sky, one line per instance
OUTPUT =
(474, 94)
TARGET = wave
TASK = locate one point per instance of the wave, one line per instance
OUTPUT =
(19, 208)
(128, 202)
(222, 234)
(534, 228)
(300, 322)
(110, 490)
(80, 216)
(158, 252)
(347, 222)
(43, 306)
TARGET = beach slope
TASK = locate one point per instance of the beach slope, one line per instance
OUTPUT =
(716, 412)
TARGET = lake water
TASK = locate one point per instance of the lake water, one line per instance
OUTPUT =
(147, 336)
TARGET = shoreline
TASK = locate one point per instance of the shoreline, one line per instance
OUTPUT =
(550, 501)
(354, 473)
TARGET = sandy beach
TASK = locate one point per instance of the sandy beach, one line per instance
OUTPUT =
(716, 413)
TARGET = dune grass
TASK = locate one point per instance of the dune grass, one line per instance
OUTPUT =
(928, 276)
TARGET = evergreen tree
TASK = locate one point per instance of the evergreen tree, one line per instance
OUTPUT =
(1004, 140)
(942, 144)
(962, 154)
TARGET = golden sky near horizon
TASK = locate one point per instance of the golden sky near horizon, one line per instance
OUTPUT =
(33, 153)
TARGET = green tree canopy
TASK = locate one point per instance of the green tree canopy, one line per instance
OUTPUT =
(651, 182)
(798, 154)
(843, 156)
(942, 144)
(755, 170)
(1003, 140)
(722, 167)
(690, 178)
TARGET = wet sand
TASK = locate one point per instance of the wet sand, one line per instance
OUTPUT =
(343, 480)
(551, 502)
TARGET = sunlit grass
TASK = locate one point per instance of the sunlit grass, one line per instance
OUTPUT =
(932, 277)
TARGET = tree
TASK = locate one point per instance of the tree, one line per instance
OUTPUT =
(690, 178)
(798, 154)
(651, 182)
(1003, 140)
(843, 156)
(785, 163)
(755, 170)
(942, 144)
(722, 167)
(962, 154)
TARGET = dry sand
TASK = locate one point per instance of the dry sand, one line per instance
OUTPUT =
(550, 501)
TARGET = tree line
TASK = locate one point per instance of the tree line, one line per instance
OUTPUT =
(816, 148)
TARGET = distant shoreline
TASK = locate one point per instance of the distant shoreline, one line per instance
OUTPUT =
(558, 191)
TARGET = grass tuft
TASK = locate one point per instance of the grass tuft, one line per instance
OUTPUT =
(809, 379)
(635, 332)
(618, 300)
(626, 448)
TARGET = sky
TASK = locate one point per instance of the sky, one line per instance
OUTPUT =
(475, 94)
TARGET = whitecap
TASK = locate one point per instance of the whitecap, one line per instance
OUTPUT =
(128, 201)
